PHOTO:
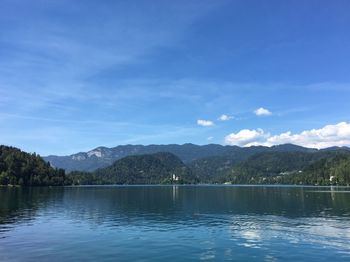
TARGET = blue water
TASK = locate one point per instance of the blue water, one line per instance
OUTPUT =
(175, 223)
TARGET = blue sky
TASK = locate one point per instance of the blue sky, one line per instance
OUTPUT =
(75, 75)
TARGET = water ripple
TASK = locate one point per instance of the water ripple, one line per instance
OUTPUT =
(154, 224)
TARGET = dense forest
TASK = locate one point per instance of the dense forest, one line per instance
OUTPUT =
(333, 170)
(287, 164)
(158, 168)
(20, 168)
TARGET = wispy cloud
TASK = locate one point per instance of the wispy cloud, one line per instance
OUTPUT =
(262, 112)
(225, 117)
(205, 123)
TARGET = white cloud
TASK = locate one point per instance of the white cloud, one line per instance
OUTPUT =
(210, 138)
(224, 117)
(330, 135)
(202, 122)
(262, 112)
(246, 137)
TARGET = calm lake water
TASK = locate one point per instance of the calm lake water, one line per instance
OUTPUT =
(175, 223)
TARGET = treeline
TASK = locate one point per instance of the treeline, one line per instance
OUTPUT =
(24, 169)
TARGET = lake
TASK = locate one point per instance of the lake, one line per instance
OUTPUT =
(175, 223)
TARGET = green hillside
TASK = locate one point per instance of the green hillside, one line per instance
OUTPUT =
(24, 169)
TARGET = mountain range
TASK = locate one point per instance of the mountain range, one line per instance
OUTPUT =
(179, 164)
(101, 157)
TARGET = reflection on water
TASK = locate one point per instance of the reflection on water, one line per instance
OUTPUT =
(176, 223)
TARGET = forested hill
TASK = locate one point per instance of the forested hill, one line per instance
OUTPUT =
(318, 168)
(259, 166)
(326, 171)
(158, 168)
(20, 168)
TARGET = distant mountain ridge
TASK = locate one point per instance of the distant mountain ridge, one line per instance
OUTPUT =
(101, 157)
